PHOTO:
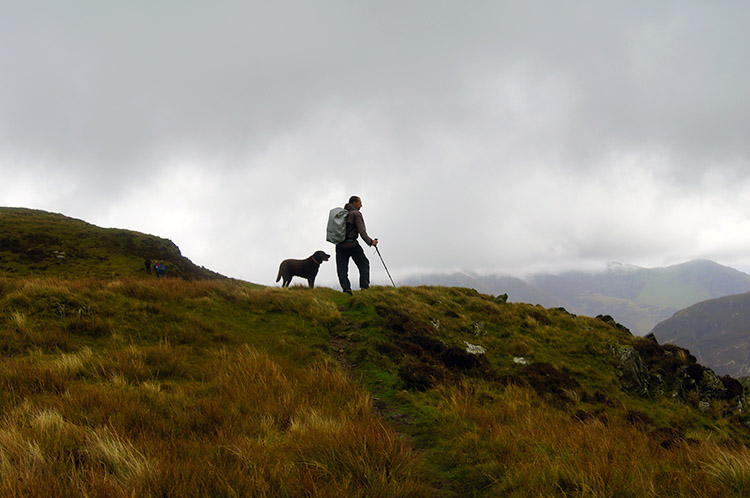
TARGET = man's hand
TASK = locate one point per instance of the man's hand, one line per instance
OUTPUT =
(375, 242)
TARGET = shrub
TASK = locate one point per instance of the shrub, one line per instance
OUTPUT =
(544, 378)
(421, 376)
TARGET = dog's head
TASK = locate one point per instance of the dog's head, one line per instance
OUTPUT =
(320, 256)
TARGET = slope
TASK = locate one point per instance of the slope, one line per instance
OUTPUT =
(34, 242)
(683, 285)
(717, 331)
(200, 388)
(136, 386)
(518, 290)
(637, 297)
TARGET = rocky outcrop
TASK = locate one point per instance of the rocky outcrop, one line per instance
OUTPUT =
(648, 369)
(608, 319)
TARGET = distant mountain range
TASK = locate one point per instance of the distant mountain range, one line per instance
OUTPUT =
(639, 298)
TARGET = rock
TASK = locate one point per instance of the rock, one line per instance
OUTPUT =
(474, 349)
(608, 319)
(710, 385)
(563, 310)
(478, 329)
(648, 369)
(632, 371)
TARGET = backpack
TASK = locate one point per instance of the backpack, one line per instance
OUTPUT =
(336, 230)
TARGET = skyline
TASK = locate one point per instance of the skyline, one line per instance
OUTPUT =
(512, 138)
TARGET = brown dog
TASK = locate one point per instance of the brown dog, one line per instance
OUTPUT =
(305, 268)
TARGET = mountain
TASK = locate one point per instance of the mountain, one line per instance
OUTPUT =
(639, 298)
(116, 383)
(34, 242)
(716, 331)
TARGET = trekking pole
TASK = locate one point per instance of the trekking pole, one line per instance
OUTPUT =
(386, 268)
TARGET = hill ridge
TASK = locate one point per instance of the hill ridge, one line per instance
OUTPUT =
(36, 242)
(716, 330)
(637, 297)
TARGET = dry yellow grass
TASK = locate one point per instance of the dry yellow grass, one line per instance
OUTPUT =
(138, 387)
(529, 450)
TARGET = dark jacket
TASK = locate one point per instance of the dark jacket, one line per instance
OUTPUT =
(355, 226)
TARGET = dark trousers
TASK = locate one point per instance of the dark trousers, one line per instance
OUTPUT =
(342, 266)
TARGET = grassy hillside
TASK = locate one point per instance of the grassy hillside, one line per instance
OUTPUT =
(204, 388)
(36, 242)
(136, 386)
(637, 297)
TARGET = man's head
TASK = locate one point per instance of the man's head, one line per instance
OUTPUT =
(355, 201)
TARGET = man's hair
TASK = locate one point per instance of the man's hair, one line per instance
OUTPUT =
(353, 198)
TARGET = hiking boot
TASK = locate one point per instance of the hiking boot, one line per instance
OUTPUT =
(348, 291)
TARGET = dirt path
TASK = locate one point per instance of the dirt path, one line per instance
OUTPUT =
(339, 344)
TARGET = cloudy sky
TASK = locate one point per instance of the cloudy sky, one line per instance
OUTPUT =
(488, 136)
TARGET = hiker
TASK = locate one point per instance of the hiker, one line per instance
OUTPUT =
(148, 266)
(159, 269)
(350, 248)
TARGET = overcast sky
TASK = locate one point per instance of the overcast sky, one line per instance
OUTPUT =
(486, 136)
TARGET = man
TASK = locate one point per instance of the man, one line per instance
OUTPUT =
(350, 248)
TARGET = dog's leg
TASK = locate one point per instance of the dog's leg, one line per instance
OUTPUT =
(283, 273)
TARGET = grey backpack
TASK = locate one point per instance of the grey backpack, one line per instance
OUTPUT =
(336, 230)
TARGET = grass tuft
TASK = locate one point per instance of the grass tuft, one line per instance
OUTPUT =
(118, 456)
(731, 468)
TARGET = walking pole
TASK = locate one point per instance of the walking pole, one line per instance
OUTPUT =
(386, 268)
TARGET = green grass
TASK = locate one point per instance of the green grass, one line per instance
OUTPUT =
(147, 384)
(39, 243)
(202, 388)
(137, 386)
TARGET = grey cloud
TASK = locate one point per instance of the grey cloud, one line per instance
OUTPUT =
(498, 124)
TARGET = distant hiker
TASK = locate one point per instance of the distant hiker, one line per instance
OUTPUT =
(159, 269)
(148, 266)
(350, 248)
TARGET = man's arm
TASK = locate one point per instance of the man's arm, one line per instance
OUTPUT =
(359, 222)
